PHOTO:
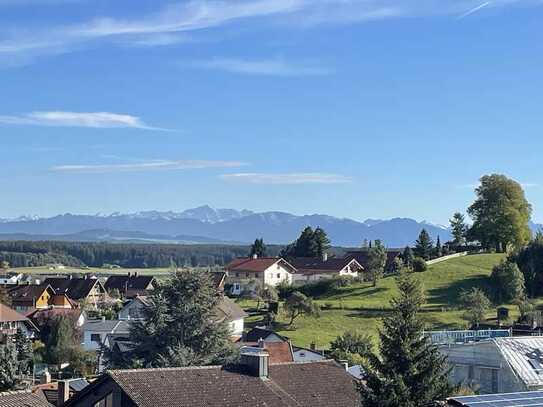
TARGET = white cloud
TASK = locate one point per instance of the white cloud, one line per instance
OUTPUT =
(288, 178)
(270, 67)
(153, 165)
(474, 10)
(77, 119)
(196, 15)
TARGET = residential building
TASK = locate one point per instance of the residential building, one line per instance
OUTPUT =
(27, 297)
(310, 269)
(267, 270)
(53, 392)
(254, 382)
(307, 355)
(262, 334)
(133, 308)
(22, 398)
(88, 290)
(361, 256)
(11, 321)
(130, 285)
(279, 352)
(95, 332)
(498, 365)
(40, 317)
(11, 278)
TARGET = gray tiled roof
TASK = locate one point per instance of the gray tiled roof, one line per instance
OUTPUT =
(111, 326)
(22, 399)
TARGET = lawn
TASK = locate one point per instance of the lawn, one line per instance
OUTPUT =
(361, 306)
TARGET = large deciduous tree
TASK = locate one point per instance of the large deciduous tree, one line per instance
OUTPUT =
(508, 282)
(475, 303)
(409, 371)
(500, 214)
(180, 327)
(377, 258)
(298, 304)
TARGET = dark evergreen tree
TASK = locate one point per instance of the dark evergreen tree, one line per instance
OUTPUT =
(410, 371)
(8, 367)
(458, 229)
(408, 256)
(258, 248)
(180, 327)
(23, 347)
(424, 245)
(322, 242)
(377, 257)
(438, 250)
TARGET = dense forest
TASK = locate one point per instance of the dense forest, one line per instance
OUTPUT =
(77, 254)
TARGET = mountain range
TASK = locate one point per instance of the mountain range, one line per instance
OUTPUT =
(207, 225)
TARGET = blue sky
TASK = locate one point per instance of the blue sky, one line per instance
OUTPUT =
(354, 108)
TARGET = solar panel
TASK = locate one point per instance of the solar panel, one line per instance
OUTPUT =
(527, 398)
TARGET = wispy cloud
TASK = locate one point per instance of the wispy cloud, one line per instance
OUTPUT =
(269, 67)
(153, 165)
(474, 10)
(157, 28)
(77, 119)
(288, 178)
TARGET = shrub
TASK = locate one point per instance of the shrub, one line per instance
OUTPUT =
(419, 265)
(284, 289)
(508, 282)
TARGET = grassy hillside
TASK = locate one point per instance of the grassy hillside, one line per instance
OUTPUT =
(361, 306)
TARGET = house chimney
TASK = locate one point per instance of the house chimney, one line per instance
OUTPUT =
(45, 377)
(261, 343)
(256, 361)
(255, 256)
(63, 391)
(346, 366)
(325, 256)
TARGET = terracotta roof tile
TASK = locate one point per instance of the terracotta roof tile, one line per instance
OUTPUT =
(22, 399)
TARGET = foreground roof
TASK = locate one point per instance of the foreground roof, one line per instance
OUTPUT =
(320, 384)
(22, 399)
(527, 398)
(525, 356)
(109, 326)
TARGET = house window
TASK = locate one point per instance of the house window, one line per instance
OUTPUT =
(278, 275)
(237, 274)
(247, 275)
(96, 338)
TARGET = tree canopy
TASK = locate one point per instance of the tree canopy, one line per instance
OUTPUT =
(458, 229)
(311, 243)
(258, 248)
(409, 371)
(180, 327)
(377, 258)
(500, 214)
(475, 303)
(508, 282)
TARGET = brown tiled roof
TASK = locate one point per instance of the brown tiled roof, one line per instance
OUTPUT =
(255, 265)
(9, 315)
(317, 264)
(280, 352)
(27, 294)
(229, 311)
(317, 384)
(74, 288)
(40, 317)
(126, 282)
(22, 399)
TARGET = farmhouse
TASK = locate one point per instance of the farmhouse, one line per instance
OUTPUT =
(498, 365)
(267, 270)
(361, 256)
(316, 268)
(254, 382)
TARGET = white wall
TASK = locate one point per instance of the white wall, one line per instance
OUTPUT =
(236, 327)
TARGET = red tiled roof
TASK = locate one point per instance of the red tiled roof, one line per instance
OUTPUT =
(249, 264)
(280, 352)
(9, 315)
(22, 398)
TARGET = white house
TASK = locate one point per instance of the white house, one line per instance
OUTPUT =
(310, 269)
(499, 365)
(11, 321)
(133, 308)
(267, 270)
(11, 278)
(95, 332)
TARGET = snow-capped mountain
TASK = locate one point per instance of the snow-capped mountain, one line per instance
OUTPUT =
(204, 224)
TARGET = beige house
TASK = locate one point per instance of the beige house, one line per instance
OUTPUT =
(310, 269)
(268, 270)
